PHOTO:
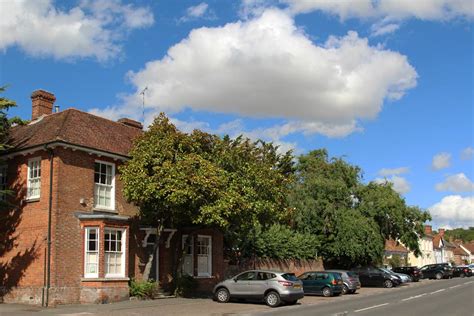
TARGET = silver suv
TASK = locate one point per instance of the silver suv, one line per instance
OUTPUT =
(270, 286)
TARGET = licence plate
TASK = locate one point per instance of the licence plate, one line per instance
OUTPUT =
(297, 286)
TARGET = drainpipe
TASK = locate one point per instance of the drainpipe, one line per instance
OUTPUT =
(50, 208)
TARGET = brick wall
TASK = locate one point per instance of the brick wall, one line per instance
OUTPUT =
(73, 179)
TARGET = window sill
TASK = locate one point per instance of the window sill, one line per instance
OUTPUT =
(105, 279)
(205, 277)
(30, 200)
(105, 210)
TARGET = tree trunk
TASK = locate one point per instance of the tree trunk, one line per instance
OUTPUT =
(151, 256)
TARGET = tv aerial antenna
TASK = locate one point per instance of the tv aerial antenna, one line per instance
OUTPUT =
(142, 93)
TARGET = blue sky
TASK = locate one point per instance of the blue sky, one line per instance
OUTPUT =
(386, 84)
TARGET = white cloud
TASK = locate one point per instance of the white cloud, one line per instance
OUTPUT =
(454, 211)
(441, 161)
(400, 184)
(200, 11)
(395, 171)
(92, 29)
(394, 9)
(456, 183)
(267, 67)
(467, 153)
(383, 27)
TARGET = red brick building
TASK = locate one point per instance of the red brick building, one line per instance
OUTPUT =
(70, 236)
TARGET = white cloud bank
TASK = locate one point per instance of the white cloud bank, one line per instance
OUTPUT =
(389, 13)
(441, 161)
(394, 9)
(400, 184)
(91, 29)
(456, 183)
(454, 211)
(267, 67)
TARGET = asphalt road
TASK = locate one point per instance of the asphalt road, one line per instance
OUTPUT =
(438, 298)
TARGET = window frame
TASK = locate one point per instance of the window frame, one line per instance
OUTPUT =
(86, 251)
(29, 179)
(183, 244)
(123, 251)
(209, 254)
(112, 184)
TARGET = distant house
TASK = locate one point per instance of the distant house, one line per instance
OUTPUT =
(443, 249)
(395, 249)
(426, 247)
(70, 235)
(461, 256)
(469, 249)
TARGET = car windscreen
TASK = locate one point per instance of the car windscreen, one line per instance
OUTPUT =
(289, 276)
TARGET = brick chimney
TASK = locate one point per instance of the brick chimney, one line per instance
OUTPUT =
(131, 123)
(441, 232)
(428, 230)
(41, 103)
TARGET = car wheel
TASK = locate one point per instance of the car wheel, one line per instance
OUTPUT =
(293, 302)
(272, 299)
(388, 284)
(222, 295)
(352, 291)
(345, 289)
(438, 276)
(326, 292)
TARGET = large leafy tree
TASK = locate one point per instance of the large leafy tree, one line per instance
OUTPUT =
(183, 179)
(350, 218)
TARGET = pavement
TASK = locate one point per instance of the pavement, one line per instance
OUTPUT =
(439, 297)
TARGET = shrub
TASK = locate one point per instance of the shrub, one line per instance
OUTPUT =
(142, 289)
(185, 285)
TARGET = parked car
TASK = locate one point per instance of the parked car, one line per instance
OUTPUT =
(350, 281)
(371, 276)
(462, 271)
(270, 286)
(437, 271)
(414, 272)
(405, 278)
(322, 283)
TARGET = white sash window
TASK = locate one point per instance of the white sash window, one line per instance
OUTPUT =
(92, 252)
(33, 189)
(104, 185)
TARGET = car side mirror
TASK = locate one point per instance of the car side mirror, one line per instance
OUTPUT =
(235, 279)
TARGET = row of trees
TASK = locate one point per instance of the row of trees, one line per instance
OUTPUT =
(267, 204)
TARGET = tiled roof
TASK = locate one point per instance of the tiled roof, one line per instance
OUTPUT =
(78, 128)
(469, 246)
(393, 246)
(460, 251)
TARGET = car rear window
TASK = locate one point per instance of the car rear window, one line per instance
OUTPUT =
(289, 276)
(352, 274)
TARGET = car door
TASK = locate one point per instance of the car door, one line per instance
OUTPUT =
(376, 277)
(427, 271)
(257, 286)
(241, 285)
(364, 276)
(309, 281)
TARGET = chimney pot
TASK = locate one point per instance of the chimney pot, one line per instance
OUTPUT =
(41, 103)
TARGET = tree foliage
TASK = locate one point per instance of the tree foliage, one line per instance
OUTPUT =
(281, 242)
(351, 219)
(199, 178)
(465, 234)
